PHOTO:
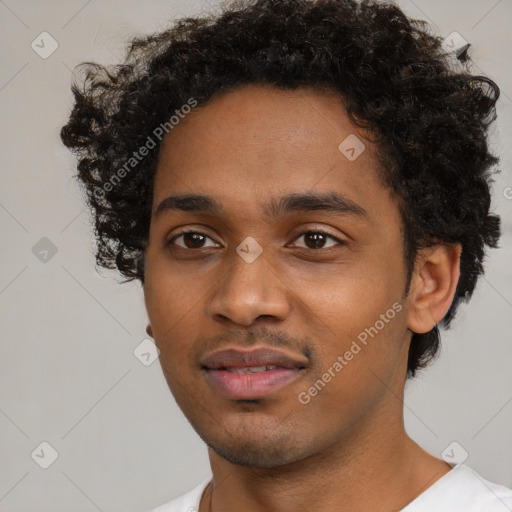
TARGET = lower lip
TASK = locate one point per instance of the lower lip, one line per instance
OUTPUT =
(247, 386)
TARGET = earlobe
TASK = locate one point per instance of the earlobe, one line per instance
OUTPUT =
(149, 331)
(433, 286)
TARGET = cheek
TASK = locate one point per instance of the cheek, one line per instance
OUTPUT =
(358, 320)
(359, 355)
(350, 299)
(172, 313)
(168, 292)
(172, 305)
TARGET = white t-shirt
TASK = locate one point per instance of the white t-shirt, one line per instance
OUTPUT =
(460, 490)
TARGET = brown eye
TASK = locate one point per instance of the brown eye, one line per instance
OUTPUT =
(191, 240)
(317, 239)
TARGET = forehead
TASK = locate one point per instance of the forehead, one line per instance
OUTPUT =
(258, 142)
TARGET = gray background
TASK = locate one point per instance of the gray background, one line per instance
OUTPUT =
(68, 373)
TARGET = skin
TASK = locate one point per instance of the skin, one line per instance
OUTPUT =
(347, 449)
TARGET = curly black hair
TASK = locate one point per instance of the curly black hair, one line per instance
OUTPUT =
(428, 116)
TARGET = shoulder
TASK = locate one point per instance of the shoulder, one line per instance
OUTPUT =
(188, 502)
(463, 489)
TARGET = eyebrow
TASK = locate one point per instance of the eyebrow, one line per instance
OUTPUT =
(276, 207)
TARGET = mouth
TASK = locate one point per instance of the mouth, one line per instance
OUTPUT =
(243, 375)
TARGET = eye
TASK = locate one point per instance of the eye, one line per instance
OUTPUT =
(317, 239)
(192, 240)
(196, 240)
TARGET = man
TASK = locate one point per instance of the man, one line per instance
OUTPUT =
(302, 188)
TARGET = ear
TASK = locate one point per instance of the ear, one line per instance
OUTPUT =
(433, 286)
(149, 331)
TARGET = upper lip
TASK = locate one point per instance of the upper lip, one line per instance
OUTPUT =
(241, 358)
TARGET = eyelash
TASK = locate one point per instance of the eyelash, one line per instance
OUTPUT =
(320, 232)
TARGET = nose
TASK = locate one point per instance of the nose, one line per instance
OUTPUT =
(248, 291)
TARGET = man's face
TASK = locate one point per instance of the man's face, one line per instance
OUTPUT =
(328, 282)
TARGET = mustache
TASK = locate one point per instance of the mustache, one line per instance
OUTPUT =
(259, 335)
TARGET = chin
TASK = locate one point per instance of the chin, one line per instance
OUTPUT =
(257, 446)
(253, 454)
